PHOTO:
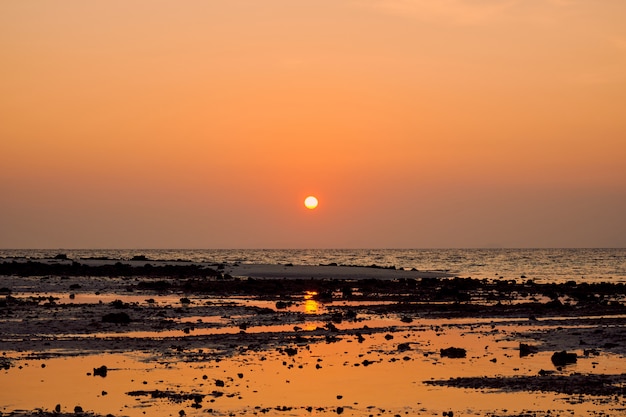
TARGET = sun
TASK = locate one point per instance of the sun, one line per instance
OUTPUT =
(310, 202)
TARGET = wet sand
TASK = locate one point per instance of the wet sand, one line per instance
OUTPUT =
(175, 338)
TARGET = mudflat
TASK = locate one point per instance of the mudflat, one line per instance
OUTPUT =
(106, 337)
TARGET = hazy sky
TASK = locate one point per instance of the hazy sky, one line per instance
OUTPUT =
(416, 123)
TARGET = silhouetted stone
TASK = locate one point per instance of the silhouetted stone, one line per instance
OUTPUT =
(453, 352)
(78, 409)
(101, 371)
(61, 256)
(291, 351)
(563, 358)
(404, 346)
(57, 408)
(337, 317)
(525, 350)
(118, 318)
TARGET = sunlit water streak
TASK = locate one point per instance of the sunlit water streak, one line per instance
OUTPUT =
(543, 265)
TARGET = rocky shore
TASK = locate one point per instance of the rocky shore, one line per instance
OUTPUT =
(316, 327)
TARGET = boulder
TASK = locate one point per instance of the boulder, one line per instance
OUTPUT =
(453, 352)
(563, 358)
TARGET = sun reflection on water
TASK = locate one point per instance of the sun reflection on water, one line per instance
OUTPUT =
(310, 305)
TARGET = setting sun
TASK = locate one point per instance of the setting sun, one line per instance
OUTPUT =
(310, 202)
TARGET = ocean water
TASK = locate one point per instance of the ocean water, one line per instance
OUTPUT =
(542, 265)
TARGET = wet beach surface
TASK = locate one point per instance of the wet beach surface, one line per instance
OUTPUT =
(146, 338)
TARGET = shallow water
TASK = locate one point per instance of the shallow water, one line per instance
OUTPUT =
(323, 376)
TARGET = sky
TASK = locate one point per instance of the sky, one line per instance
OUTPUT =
(416, 123)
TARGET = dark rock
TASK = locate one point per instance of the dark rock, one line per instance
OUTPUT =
(525, 350)
(337, 318)
(119, 304)
(219, 383)
(118, 318)
(61, 256)
(78, 409)
(291, 351)
(404, 347)
(543, 372)
(331, 327)
(453, 352)
(101, 371)
(563, 358)
(57, 408)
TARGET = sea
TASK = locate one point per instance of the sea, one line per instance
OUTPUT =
(540, 265)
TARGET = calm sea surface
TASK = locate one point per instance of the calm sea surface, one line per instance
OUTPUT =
(543, 265)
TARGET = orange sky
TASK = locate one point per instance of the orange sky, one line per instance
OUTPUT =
(204, 124)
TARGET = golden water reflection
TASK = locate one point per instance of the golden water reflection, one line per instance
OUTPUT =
(310, 305)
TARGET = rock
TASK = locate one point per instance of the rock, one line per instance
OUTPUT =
(563, 358)
(101, 371)
(339, 410)
(337, 318)
(525, 350)
(453, 352)
(219, 383)
(331, 327)
(78, 409)
(291, 351)
(118, 318)
(57, 408)
(404, 347)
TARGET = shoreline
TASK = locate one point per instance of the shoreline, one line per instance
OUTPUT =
(159, 329)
